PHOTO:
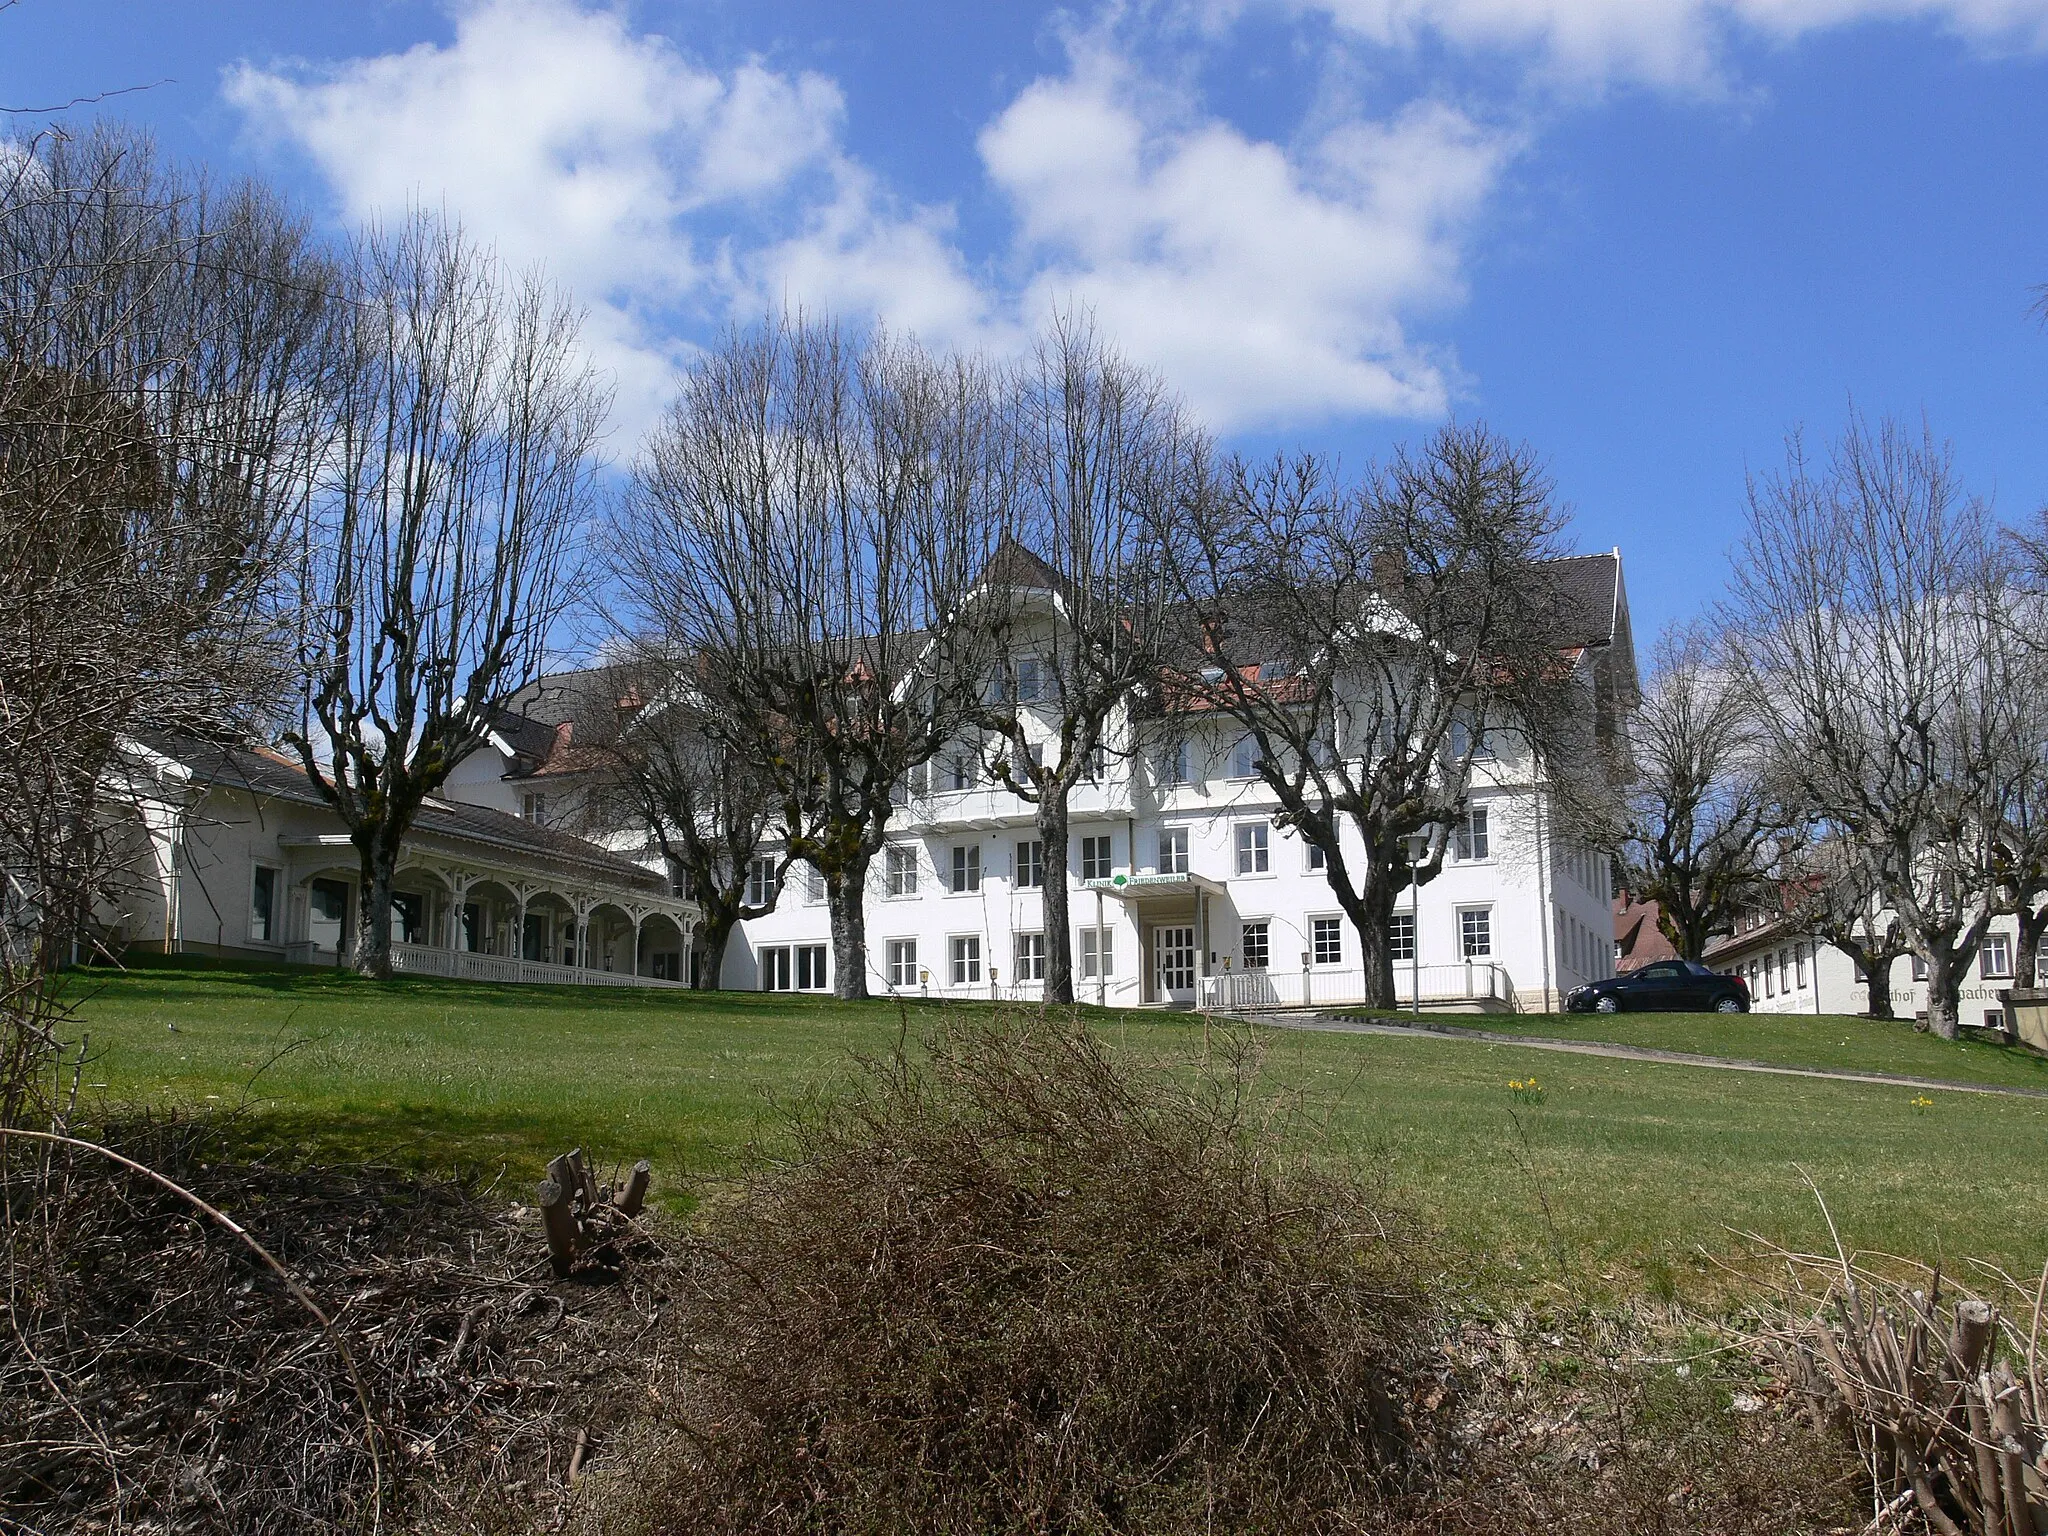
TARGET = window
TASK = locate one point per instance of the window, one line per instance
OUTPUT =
(1995, 958)
(775, 969)
(1919, 968)
(899, 871)
(911, 786)
(1256, 946)
(1173, 850)
(1170, 766)
(1030, 679)
(1253, 853)
(1244, 758)
(680, 882)
(1318, 861)
(1475, 932)
(1994, 1018)
(1799, 964)
(902, 962)
(761, 883)
(810, 968)
(1096, 767)
(1030, 957)
(1327, 934)
(1401, 936)
(263, 905)
(814, 884)
(1464, 740)
(1472, 838)
(1098, 953)
(1096, 863)
(967, 960)
(966, 868)
(1031, 864)
(533, 807)
(960, 770)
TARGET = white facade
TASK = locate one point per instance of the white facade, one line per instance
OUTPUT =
(1794, 972)
(1179, 877)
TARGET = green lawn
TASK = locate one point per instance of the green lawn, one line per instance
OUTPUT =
(1641, 1166)
(1787, 1040)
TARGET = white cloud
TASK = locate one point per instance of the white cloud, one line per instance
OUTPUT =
(1673, 43)
(1269, 283)
(1269, 287)
(561, 138)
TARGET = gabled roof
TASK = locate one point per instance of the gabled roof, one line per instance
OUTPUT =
(270, 775)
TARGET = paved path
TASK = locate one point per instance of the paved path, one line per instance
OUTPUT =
(1338, 1025)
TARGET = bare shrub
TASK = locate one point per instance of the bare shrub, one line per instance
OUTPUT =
(1017, 1285)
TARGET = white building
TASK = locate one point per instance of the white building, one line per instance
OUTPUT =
(1792, 971)
(1184, 893)
(231, 851)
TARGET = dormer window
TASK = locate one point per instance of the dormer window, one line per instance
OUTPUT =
(533, 806)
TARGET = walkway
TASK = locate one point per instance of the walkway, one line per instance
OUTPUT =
(1635, 1053)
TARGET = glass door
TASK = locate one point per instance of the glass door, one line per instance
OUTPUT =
(1173, 952)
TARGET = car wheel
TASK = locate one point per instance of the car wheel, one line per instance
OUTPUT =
(1608, 1004)
(1730, 1005)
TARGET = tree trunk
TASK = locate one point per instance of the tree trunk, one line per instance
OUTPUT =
(1372, 915)
(719, 922)
(2026, 968)
(1059, 937)
(379, 868)
(1944, 986)
(845, 898)
(1877, 984)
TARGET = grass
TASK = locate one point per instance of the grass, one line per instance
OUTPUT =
(1622, 1175)
(1830, 1042)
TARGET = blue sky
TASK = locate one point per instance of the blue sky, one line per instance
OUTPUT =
(1649, 236)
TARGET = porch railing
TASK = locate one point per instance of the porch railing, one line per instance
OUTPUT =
(1473, 981)
(463, 965)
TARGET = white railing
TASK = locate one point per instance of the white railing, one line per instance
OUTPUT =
(1474, 981)
(463, 965)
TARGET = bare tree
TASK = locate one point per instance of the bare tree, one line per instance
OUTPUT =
(1833, 894)
(1867, 601)
(1104, 451)
(808, 524)
(654, 761)
(1373, 643)
(160, 342)
(444, 541)
(1706, 819)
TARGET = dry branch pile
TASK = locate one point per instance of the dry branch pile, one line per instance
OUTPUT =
(1941, 1391)
(154, 1376)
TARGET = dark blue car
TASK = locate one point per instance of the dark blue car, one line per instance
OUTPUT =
(1669, 986)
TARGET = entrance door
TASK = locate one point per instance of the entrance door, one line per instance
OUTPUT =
(327, 916)
(1173, 955)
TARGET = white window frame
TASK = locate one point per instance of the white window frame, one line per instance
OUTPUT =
(1105, 868)
(1314, 858)
(1175, 766)
(1474, 836)
(813, 966)
(273, 919)
(899, 870)
(900, 962)
(1466, 929)
(963, 874)
(963, 959)
(2000, 944)
(1263, 927)
(1030, 871)
(1326, 941)
(761, 882)
(1402, 950)
(1253, 842)
(1244, 758)
(777, 972)
(814, 885)
(1097, 952)
(1174, 846)
(1028, 957)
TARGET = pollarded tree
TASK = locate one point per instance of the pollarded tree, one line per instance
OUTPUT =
(1707, 820)
(1103, 452)
(1372, 643)
(443, 542)
(807, 524)
(1877, 647)
(651, 760)
(1832, 893)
